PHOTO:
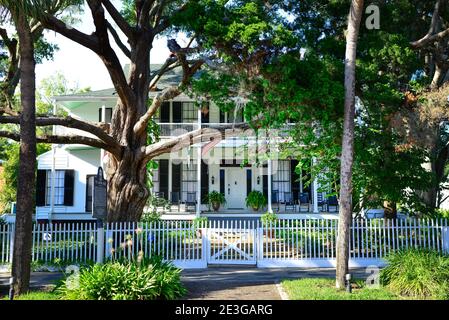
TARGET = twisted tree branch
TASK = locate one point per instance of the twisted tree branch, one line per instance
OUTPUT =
(68, 139)
(69, 122)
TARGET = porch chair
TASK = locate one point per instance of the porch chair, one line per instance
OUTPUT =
(303, 200)
(322, 203)
(332, 201)
(275, 199)
(191, 201)
(289, 202)
(175, 200)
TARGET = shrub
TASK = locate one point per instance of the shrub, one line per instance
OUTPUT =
(148, 279)
(256, 200)
(215, 199)
(149, 217)
(417, 272)
(441, 214)
(268, 219)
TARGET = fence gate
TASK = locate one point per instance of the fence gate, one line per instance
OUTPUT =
(231, 242)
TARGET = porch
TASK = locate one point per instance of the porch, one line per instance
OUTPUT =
(246, 215)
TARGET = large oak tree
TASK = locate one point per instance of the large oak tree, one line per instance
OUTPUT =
(140, 22)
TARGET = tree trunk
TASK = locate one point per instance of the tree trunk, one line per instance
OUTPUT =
(21, 263)
(347, 155)
(127, 189)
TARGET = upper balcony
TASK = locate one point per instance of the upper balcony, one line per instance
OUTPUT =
(176, 117)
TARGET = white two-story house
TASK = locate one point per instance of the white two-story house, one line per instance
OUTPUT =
(233, 167)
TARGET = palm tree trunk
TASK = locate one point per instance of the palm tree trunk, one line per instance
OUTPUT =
(347, 155)
(21, 263)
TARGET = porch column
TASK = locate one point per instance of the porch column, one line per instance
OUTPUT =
(315, 191)
(270, 209)
(52, 184)
(53, 170)
(198, 170)
(169, 177)
(103, 119)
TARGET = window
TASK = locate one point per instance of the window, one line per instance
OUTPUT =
(281, 178)
(189, 180)
(189, 112)
(63, 192)
(59, 188)
(108, 114)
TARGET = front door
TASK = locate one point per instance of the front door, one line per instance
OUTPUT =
(235, 188)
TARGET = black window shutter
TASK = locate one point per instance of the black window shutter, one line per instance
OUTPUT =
(265, 185)
(294, 179)
(163, 177)
(41, 182)
(165, 112)
(205, 113)
(222, 116)
(177, 112)
(99, 115)
(249, 180)
(222, 181)
(176, 178)
(69, 183)
(204, 181)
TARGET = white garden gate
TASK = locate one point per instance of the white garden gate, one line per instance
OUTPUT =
(231, 242)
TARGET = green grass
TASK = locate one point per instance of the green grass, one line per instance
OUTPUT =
(324, 289)
(37, 295)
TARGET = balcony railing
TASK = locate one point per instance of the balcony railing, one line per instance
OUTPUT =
(176, 129)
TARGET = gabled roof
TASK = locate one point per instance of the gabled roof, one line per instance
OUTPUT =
(172, 77)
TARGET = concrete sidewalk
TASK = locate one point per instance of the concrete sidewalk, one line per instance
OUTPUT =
(237, 283)
(39, 280)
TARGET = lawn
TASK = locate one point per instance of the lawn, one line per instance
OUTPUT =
(324, 289)
(36, 295)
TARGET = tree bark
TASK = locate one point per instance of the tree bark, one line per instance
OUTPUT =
(127, 188)
(347, 156)
(21, 263)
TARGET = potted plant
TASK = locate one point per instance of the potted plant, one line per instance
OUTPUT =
(215, 199)
(269, 220)
(256, 200)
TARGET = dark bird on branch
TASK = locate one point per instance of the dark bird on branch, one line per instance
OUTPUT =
(173, 46)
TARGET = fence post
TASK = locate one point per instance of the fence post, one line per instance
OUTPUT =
(11, 241)
(204, 244)
(100, 241)
(445, 236)
(259, 239)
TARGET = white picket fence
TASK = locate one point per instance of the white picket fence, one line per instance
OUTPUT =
(286, 243)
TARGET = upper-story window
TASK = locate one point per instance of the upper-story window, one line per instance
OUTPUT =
(189, 112)
(231, 116)
(177, 112)
(108, 115)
